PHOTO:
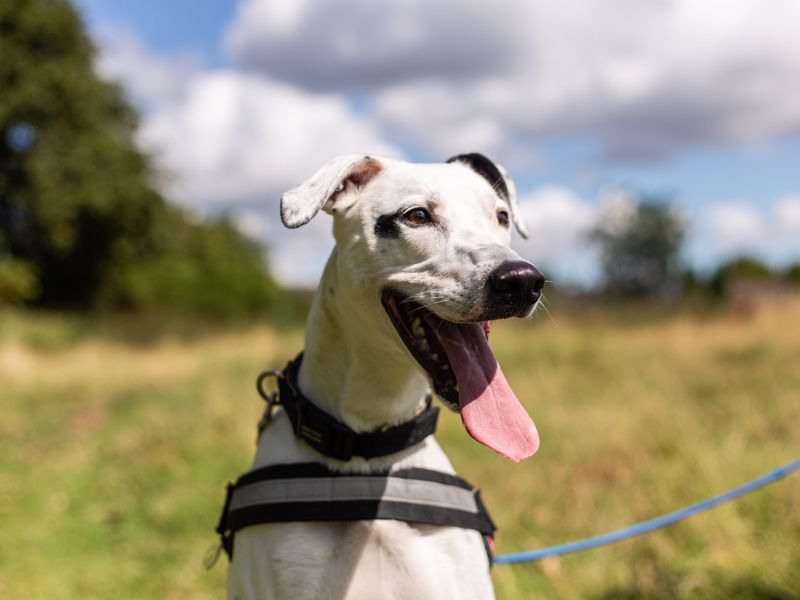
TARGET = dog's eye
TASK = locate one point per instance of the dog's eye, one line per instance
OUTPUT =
(502, 218)
(417, 216)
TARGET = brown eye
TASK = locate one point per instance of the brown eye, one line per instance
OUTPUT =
(417, 216)
(502, 218)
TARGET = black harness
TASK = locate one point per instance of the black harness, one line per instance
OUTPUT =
(313, 492)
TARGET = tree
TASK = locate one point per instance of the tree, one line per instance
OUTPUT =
(640, 242)
(792, 274)
(743, 268)
(72, 184)
(80, 220)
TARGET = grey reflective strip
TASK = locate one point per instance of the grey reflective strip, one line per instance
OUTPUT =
(322, 489)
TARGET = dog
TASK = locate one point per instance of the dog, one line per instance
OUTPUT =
(421, 264)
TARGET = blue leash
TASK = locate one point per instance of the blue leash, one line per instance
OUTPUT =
(646, 526)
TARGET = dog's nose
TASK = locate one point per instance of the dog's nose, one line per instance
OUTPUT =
(516, 282)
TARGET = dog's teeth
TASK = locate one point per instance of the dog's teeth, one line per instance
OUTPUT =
(423, 343)
(435, 357)
(445, 367)
(416, 328)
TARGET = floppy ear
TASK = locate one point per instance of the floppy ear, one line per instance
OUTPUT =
(500, 181)
(343, 173)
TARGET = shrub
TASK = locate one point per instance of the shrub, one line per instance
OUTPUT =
(18, 282)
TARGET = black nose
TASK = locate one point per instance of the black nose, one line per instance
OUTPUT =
(516, 282)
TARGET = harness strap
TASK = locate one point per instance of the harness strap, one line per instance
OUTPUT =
(333, 438)
(312, 492)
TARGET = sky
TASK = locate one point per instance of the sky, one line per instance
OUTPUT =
(584, 103)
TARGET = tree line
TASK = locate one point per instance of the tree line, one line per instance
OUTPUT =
(81, 222)
(641, 257)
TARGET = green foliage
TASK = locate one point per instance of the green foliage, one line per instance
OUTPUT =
(640, 249)
(206, 269)
(792, 274)
(76, 202)
(72, 184)
(741, 268)
(18, 282)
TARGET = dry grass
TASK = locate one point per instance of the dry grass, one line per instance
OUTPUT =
(113, 456)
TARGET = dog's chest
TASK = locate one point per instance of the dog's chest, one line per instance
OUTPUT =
(380, 559)
(377, 559)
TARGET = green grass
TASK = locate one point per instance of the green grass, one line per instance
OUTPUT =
(114, 454)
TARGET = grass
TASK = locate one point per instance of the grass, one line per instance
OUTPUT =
(114, 454)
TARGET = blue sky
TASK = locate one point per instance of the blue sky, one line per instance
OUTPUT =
(167, 27)
(695, 99)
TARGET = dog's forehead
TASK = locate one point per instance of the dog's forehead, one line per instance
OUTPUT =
(444, 183)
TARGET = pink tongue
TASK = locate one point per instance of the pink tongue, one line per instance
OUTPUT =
(489, 409)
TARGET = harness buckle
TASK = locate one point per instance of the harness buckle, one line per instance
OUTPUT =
(341, 444)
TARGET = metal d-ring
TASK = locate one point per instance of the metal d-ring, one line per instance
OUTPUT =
(262, 377)
(271, 398)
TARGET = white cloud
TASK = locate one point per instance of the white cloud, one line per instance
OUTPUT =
(150, 80)
(735, 227)
(235, 138)
(299, 255)
(252, 223)
(441, 120)
(787, 214)
(359, 44)
(642, 79)
(559, 223)
(728, 229)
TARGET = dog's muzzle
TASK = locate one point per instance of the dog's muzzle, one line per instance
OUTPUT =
(513, 289)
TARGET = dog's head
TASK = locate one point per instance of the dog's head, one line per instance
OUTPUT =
(430, 243)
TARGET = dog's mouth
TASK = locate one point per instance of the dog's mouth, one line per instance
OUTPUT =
(465, 375)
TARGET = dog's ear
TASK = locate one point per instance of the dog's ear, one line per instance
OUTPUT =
(500, 181)
(319, 192)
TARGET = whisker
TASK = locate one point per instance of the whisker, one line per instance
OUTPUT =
(428, 304)
(424, 300)
(547, 310)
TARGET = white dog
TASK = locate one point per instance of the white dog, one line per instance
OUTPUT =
(421, 265)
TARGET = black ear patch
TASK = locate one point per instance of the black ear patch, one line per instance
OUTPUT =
(486, 169)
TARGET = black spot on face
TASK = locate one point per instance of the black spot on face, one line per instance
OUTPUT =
(486, 169)
(386, 226)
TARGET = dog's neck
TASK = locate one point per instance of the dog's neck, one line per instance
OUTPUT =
(350, 369)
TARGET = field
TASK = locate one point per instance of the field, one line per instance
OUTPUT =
(115, 448)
